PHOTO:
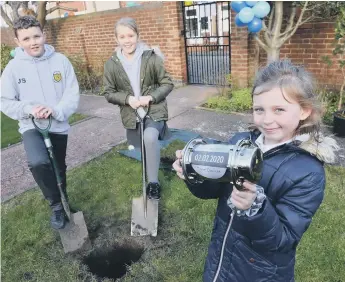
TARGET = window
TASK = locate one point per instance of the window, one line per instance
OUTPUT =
(191, 27)
(225, 7)
(191, 13)
(204, 22)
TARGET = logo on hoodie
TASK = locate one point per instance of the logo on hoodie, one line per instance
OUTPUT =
(57, 76)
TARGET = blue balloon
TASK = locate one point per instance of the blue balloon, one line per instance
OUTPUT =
(251, 3)
(13, 53)
(131, 4)
(246, 15)
(255, 25)
(238, 21)
(237, 6)
(261, 9)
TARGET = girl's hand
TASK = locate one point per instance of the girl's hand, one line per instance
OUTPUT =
(41, 112)
(244, 199)
(145, 100)
(134, 102)
(177, 164)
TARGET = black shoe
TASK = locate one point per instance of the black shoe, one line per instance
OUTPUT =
(153, 191)
(58, 218)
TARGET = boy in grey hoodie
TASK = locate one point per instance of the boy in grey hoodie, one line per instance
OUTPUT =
(40, 82)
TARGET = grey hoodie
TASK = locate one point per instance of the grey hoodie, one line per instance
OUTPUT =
(48, 80)
(132, 67)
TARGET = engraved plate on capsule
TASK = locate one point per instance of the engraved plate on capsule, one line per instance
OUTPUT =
(208, 162)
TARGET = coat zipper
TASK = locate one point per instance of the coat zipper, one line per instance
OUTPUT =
(270, 152)
(223, 246)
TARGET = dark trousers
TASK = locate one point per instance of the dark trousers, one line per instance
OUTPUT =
(40, 164)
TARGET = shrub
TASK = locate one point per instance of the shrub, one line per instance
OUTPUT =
(5, 55)
(88, 79)
(329, 99)
(339, 54)
(240, 101)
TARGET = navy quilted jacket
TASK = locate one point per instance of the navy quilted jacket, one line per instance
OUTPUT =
(262, 247)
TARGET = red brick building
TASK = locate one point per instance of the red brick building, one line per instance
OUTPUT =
(161, 24)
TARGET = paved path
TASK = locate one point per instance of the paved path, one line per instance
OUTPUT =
(90, 138)
(103, 130)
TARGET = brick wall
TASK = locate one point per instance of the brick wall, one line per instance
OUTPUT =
(308, 45)
(160, 23)
(239, 54)
(310, 42)
(92, 35)
(255, 61)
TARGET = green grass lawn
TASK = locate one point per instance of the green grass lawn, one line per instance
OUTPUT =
(9, 129)
(103, 190)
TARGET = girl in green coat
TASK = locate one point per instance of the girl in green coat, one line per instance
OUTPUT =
(135, 77)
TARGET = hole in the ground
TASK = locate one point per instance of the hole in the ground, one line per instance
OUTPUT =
(28, 276)
(113, 263)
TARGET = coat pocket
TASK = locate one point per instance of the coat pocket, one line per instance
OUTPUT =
(249, 264)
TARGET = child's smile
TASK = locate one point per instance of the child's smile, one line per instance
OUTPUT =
(127, 39)
(276, 117)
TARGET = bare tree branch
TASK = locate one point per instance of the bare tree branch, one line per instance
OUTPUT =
(315, 6)
(264, 27)
(267, 32)
(15, 6)
(278, 27)
(26, 10)
(262, 44)
(271, 19)
(291, 20)
(61, 8)
(298, 24)
(42, 12)
(15, 10)
(25, 4)
(309, 19)
(6, 18)
(278, 16)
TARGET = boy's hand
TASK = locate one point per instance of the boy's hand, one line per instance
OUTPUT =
(244, 199)
(177, 164)
(134, 102)
(145, 100)
(41, 112)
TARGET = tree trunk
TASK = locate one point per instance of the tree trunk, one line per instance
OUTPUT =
(273, 54)
(42, 13)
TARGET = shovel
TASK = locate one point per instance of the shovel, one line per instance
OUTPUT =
(74, 236)
(144, 211)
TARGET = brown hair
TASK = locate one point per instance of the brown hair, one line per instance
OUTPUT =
(297, 84)
(25, 22)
